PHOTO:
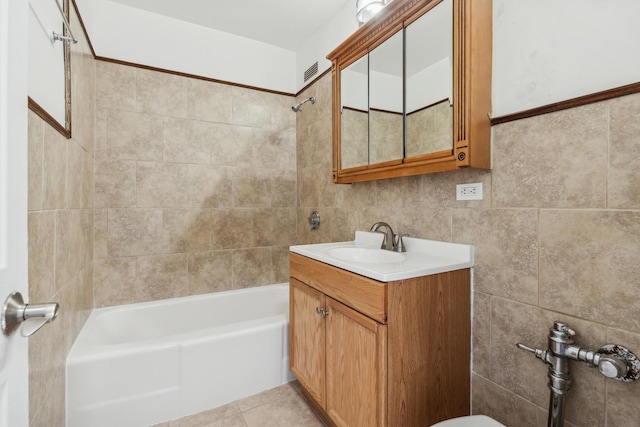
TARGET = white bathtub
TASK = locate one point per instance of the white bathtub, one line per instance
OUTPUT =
(143, 364)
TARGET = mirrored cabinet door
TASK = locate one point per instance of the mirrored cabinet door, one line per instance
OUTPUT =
(412, 91)
(354, 114)
(386, 124)
(429, 82)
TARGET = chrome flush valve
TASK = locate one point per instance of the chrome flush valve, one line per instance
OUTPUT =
(612, 360)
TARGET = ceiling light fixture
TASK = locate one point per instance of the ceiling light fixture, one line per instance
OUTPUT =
(366, 9)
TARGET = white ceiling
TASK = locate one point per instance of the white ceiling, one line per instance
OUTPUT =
(284, 23)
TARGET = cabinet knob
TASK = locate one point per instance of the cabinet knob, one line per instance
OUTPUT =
(322, 312)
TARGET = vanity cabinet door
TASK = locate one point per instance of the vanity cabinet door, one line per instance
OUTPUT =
(356, 371)
(307, 338)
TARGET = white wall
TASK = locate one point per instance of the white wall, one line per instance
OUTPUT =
(385, 92)
(323, 41)
(46, 59)
(545, 51)
(134, 35)
(86, 10)
(430, 85)
(355, 90)
(424, 88)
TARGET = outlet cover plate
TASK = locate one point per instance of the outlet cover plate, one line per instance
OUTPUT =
(469, 191)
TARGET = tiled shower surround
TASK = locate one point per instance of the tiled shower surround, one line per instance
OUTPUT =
(201, 186)
(60, 227)
(195, 186)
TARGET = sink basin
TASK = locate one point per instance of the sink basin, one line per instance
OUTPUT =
(363, 256)
(372, 256)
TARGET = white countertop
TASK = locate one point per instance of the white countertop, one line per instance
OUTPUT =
(423, 257)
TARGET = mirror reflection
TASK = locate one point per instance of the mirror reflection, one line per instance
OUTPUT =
(429, 82)
(386, 101)
(427, 67)
(397, 99)
(354, 150)
(49, 80)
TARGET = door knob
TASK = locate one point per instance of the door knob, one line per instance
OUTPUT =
(15, 312)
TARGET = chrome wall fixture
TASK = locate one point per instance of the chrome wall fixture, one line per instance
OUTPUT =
(61, 37)
(612, 360)
(296, 107)
(16, 313)
(314, 220)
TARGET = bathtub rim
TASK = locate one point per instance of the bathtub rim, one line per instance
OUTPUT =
(82, 351)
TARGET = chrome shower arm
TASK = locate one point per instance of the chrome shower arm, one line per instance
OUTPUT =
(296, 107)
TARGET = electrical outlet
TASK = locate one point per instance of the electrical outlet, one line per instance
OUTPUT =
(469, 191)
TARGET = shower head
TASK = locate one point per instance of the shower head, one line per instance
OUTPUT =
(296, 107)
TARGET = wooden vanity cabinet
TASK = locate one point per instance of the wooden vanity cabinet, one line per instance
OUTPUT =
(339, 359)
(306, 364)
(369, 353)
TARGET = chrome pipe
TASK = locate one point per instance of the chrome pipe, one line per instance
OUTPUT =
(560, 339)
(56, 36)
(556, 410)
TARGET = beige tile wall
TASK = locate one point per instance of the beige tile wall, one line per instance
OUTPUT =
(195, 186)
(60, 228)
(556, 238)
(201, 187)
(385, 136)
(430, 129)
(354, 133)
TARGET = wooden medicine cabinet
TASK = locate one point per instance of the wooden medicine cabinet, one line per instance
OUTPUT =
(412, 91)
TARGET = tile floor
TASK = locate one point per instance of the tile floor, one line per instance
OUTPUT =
(282, 406)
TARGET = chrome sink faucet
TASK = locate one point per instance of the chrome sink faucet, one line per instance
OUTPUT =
(391, 242)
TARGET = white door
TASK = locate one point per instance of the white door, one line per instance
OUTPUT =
(14, 398)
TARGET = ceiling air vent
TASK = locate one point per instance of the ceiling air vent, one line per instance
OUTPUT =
(311, 71)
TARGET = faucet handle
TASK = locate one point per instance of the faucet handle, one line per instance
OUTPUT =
(540, 354)
(398, 243)
(384, 238)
